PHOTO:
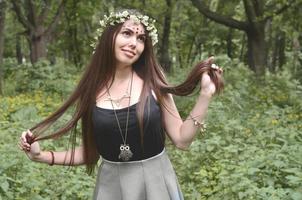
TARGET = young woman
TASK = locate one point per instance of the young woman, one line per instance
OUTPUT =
(126, 107)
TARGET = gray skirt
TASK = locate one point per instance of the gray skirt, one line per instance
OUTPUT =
(150, 179)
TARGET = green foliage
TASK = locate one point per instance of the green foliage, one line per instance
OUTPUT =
(21, 179)
(252, 148)
(58, 78)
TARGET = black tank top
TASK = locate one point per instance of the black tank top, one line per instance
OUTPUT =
(108, 138)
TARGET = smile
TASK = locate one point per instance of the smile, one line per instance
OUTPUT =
(129, 52)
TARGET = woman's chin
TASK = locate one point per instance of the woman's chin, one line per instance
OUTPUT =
(126, 62)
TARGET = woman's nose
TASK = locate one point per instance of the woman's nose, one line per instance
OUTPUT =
(133, 42)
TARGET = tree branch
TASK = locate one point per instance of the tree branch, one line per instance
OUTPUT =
(20, 17)
(258, 7)
(227, 21)
(281, 10)
(56, 18)
(31, 13)
(44, 12)
(249, 11)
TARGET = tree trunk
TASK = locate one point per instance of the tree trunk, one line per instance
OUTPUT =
(273, 64)
(18, 49)
(242, 55)
(191, 56)
(179, 55)
(34, 23)
(257, 49)
(2, 25)
(72, 31)
(256, 18)
(37, 43)
(164, 51)
(229, 43)
(281, 52)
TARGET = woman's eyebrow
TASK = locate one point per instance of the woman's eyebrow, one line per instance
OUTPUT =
(144, 34)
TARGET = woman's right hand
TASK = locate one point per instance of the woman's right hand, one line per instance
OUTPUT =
(32, 150)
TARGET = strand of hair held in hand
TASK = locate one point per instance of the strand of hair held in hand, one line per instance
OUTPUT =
(193, 79)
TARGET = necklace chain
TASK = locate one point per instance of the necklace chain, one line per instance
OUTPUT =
(117, 101)
(125, 152)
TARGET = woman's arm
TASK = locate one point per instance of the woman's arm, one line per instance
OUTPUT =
(62, 157)
(58, 158)
(182, 132)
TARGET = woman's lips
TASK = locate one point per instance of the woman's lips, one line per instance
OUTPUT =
(129, 53)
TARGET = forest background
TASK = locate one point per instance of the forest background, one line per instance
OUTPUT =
(252, 147)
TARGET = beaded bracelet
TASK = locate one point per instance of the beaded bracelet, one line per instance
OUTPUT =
(52, 158)
(201, 125)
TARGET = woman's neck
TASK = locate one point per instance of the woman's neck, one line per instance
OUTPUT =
(122, 73)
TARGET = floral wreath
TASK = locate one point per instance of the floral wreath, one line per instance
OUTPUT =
(121, 17)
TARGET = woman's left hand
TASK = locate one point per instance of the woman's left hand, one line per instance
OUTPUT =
(207, 85)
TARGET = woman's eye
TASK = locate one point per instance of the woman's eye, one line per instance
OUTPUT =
(142, 38)
(126, 33)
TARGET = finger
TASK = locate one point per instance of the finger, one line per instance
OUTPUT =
(26, 147)
(220, 69)
(218, 73)
(23, 136)
(29, 133)
(25, 144)
(22, 142)
(29, 137)
(210, 60)
(23, 148)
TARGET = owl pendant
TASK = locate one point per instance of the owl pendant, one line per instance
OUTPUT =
(125, 152)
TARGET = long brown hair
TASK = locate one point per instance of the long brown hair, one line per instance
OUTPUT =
(97, 74)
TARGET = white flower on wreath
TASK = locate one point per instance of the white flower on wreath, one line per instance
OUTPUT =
(121, 17)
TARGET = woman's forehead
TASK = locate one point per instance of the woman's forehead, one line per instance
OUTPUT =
(134, 26)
